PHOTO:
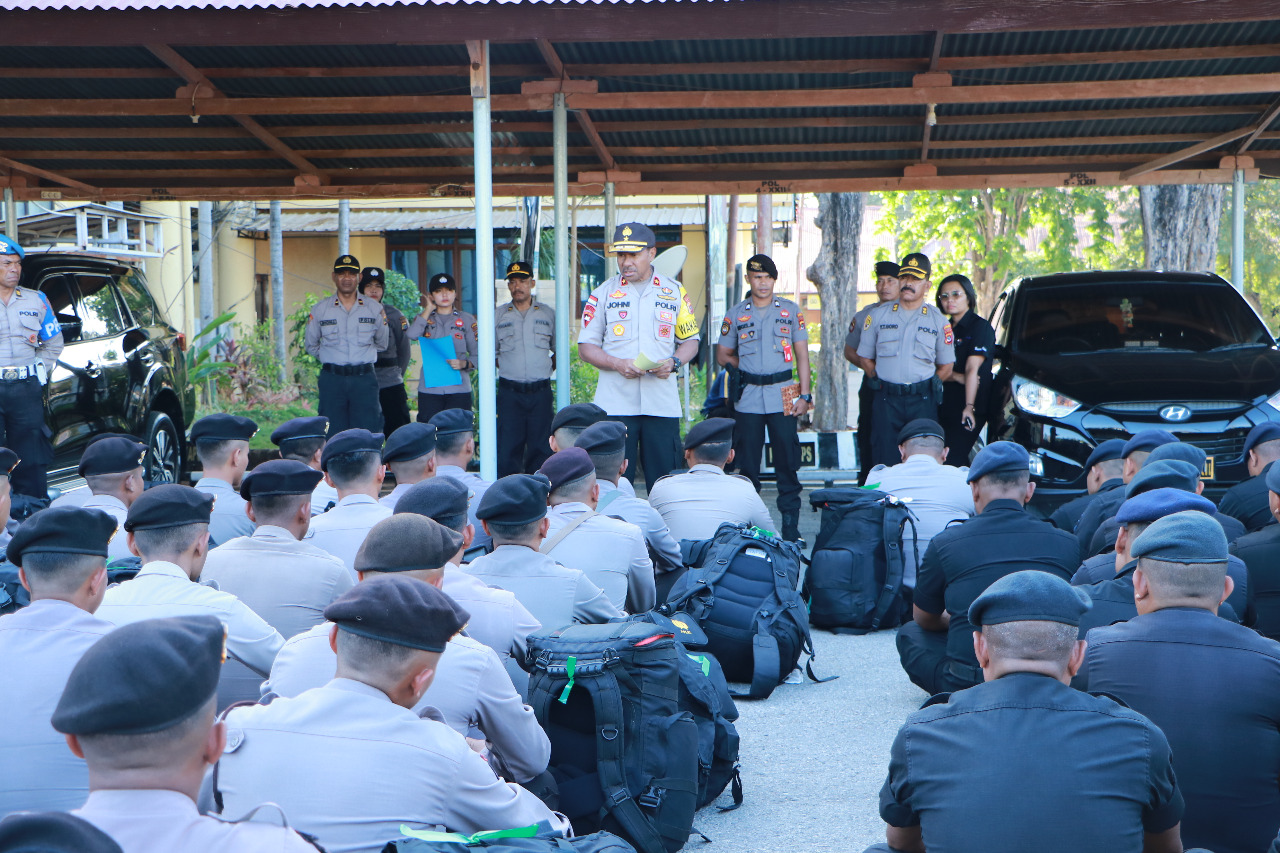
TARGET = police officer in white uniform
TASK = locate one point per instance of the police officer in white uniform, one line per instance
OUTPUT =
(526, 336)
(345, 334)
(410, 455)
(112, 468)
(139, 706)
(351, 762)
(62, 552)
(352, 463)
(887, 287)
(287, 582)
(642, 315)
(455, 448)
(302, 439)
(222, 445)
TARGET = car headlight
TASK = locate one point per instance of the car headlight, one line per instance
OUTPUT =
(1036, 399)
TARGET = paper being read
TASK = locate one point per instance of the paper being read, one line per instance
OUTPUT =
(645, 362)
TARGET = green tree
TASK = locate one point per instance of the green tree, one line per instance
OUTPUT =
(1261, 247)
(402, 293)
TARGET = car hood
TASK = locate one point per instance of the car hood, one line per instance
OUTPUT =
(1114, 376)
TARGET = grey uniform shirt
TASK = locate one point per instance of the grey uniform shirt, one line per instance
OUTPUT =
(393, 359)
(937, 495)
(228, 519)
(612, 553)
(663, 549)
(118, 547)
(556, 595)
(22, 322)
(476, 487)
(39, 645)
(286, 582)
(525, 341)
(341, 530)
(337, 336)
(460, 326)
(854, 337)
(694, 504)
(766, 340)
(498, 619)
(907, 346)
(321, 497)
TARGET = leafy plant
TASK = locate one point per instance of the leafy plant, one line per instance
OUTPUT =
(402, 293)
(306, 369)
(254, 375)
(202, 366)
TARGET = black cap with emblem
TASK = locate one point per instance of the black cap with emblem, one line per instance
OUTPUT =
(915, 265)
(372, 275)
(441, 281)
(762, 263)
(346, 263)
(520, 269)
(633, 237)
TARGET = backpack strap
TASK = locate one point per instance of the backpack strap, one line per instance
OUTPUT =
(608, 499)
(549, 545)
(896, 518)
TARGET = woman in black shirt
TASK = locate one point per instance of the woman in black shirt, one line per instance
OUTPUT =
(964, 393)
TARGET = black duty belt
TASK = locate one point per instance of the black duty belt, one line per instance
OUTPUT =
(525, 387)
(15, 374)
(386, 362)
(893, 389)
(347, 369)
(764, 378)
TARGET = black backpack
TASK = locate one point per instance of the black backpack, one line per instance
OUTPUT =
(854, 582)
(625, 756)
(14, 596)
(505, 841)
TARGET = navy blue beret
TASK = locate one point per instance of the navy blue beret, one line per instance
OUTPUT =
(350, 441)
(102, 436)
(398, 609)
(8, 461)
(1263, 432)
(279, 477)
(169, 505)
(1148, 439)
(1273, 478)
(1112, 448)
(1178, 450)
(566, 466)
(63, 530)
(300, 428)
(143, 677)
(1161, 474)
(1029, 596)
(440, 498)
(578, 415)
(53, 832)
(603, 437)
(920, 427)
(515, 499)
(407, 542)
(10, 247)
(452, 421)
(886, 268)
(1157, 503)
(411, 441)
(712, 429)
(1184, 537)
(223, 427)
(999, 457)
(116, 455)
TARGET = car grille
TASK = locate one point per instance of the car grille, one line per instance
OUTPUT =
(1223, 446)
(1197, 407)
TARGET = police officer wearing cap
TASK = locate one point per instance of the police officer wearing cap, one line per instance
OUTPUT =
(139, 707)
(410, 456)
(764, 337)
(62, 553)
(443, 320)
(1022, 761)
(1133, 455)
(112, 469)
(525, 330)
(352, 464)
(936, 649)
(887, 287)
(907, 349)
(352, 761)
(302, 440)
(1261, 553)
(286, 581)
(1212, 686)
(222, 446)
(1102, 472)
(455, 448)
(345, 334)
(696, 502)
(640, 317)
(393, 359)
(1247, 501)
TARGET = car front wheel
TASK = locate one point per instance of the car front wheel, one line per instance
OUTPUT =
(164, 461)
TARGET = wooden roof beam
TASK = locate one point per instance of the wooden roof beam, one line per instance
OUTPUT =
(1250, 132)
(56, 178)
(549, 55)
(1259, 127)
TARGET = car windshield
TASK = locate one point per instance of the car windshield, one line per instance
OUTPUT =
(1080, 318)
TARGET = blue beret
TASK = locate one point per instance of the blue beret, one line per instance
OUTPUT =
(1161, 474)
(115, 455)
(169, 505)
(712, 429)
(63, 530)
(578, 416)
(1263, 432)
(405, 543)
(1148, 439)
(1273, 478)
(920, 427)
(443, 499)
(53, 832)
(603, 437)
(143, 677)
(411, 441)
(452, 421)
(350, 441)
(1157, 503)
(300, 428)
(10, 247)
(8, 461)
(279, 477)
(567, 465)
(399, 609)
(1029, 596)
(999, 456)
(516, 499)
(1184, 537)
(1178, 450)
(1112, 448)
(222, 427)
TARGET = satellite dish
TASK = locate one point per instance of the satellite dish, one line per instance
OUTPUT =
(671, 261)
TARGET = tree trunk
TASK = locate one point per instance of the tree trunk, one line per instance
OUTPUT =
(1180, 226)
(835, 274)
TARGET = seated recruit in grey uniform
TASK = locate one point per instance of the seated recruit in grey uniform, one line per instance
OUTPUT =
(222, 445)
(53, 832)
(569, 423)
(610, 552)
(350, 762)
(695, 503)
(62, 552)
(410, 455)
(303, 440)
(112, 468)
(455, 447)
(352, 463)
(139, 707)
(287, 582)
(1070, 771)
(471, 691)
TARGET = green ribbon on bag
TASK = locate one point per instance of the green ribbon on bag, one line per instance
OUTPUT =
(459, 838)
(701, 659)
(571, 665)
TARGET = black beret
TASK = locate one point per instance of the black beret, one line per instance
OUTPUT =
(346, 262)
(300, 428)
(579, 415)
(105, 435)
(517, 268)
(279, 477)
(400, 610)
(169, 505)
(411, 441)
(1148, 439)
(886, 268)
(350, 441)
(452, 421)
(63, 530)
(1273, 478)
(112, 456)
(566, 466)
(915, 265)
(999, 457)
(406, 543)
(1112, 448)
(440, 498)
(920, 427)
(143, 677)
(712, 429)
(603, 437)
(1164, 473)
(222, 427)
(8, 461)
(1029, 596)
(515, 499)
(1183, 537)
(1157, 503)
(1178, 450)
(53, 832)
(762, 263)
(441, 281)
(372, 275)
(1263, 432)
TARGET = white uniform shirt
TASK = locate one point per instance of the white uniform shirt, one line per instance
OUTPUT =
(392, 498)
(72, 497)
(938, 495)
(286, 582)
(118, 547)
(476, 486)
(612, 553)
(498, 619)
(341, 530)
(349, 767)
(554, 594)
(39, 646)
(663, 550)
(228, 519)
(694, 504)
(321, 497)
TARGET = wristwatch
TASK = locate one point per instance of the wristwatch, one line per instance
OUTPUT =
(676, 361)
(808, 398)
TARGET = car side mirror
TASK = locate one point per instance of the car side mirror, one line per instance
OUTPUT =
(134, 339)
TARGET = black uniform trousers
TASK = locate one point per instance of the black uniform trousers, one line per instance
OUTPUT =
(525, 410)
(866, 402)
(653, 443)
(395, 407)
(959, 440)
(924, 658)
(24, 432)
(350, 401)
(748, 442)
(892, 411)
(430, 405)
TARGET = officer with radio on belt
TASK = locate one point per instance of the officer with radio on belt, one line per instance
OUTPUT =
(30, 343)
(526, 336)
(887, 288)
(640, 317)
(345, 334)
(393, 359)
(762, 336)
(907, 348)
(445, 321)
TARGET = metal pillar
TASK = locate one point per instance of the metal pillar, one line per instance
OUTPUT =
(610, 212)
(483, 146)
(10, 215)
(276, 235)
(560, 171)
(344, 226)
(764, 223)
(204, 224)
(1237, 230)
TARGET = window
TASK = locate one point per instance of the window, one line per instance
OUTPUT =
(99, 312)
(422, 254)
(141, 306)
(57, 289)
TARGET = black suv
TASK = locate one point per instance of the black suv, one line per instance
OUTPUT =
(1084, 357)
(122, 370)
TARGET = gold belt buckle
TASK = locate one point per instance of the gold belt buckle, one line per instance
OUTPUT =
(10, 373)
